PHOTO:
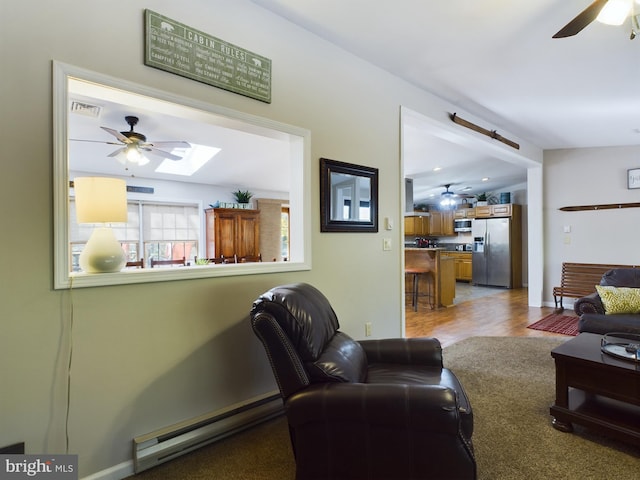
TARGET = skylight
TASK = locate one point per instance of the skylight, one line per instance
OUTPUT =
(194, 158)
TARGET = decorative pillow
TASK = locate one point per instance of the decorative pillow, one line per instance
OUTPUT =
(619, 299)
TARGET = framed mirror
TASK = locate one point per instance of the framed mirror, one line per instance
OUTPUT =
(348, 197)
(171, 213)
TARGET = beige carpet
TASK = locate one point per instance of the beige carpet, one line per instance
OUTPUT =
(510, 382)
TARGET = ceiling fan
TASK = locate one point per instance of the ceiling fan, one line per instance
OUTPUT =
(448, 198)
(133, 144)
(611, 12)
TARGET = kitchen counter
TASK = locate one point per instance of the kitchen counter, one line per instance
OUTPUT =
(436, 261)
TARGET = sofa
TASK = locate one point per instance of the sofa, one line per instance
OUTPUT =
(614, 307)
(371, 409)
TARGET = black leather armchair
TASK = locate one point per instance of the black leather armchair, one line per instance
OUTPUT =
(375, 409)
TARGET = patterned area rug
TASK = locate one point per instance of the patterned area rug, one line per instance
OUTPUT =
(556, 323)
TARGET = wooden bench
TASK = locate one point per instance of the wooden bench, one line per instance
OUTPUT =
(579, 280)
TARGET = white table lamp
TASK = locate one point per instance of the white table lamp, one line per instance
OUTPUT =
(101, 200)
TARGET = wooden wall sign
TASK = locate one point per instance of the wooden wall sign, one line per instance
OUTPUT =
(182, 50)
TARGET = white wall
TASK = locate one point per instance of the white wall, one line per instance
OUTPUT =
(589, 176)
(148, 355)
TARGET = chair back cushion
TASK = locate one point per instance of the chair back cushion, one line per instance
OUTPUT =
(306, 317)
(343, 360)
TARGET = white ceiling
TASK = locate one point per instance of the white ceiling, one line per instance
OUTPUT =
(249, 155)
(497, 60)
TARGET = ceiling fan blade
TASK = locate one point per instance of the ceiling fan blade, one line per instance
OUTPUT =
(93, 141)
(117, 134)
(160, 153)
(585, 17)
(117, 152)
(170, 144)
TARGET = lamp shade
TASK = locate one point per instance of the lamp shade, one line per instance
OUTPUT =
(100, 199)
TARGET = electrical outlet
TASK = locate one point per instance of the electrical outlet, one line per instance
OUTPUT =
(367, 329)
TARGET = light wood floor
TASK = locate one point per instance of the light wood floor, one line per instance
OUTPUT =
(504, 314)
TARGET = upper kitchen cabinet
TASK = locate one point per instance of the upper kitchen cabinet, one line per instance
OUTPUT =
(416, 225)
(499, 210)
(447, 223)
(232, 231)
(441, 223)
(465, 213)
(434, 224)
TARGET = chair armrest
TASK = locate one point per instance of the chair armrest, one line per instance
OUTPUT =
(428, 408)
(589, 304)
(409, 351)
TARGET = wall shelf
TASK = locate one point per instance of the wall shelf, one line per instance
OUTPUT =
(606, 206)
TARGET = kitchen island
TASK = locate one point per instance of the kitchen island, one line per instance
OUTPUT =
(441, 274)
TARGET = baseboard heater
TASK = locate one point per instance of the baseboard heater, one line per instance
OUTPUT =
(175, 440)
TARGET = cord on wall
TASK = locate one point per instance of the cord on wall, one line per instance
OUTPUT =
(68, 406)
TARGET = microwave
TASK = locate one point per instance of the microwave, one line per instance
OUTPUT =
(462, 225)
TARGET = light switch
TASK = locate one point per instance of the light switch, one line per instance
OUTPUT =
(567, 229)
(388, 223)
(386, 244)
(567, 239)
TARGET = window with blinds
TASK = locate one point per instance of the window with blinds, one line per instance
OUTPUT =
(153, 230)
(170, 232)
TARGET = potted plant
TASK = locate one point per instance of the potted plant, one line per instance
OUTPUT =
(242, 196)
(482, 199)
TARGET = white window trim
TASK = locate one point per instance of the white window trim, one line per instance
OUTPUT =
(300, 194)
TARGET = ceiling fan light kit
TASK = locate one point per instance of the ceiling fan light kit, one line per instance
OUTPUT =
(447, 199)
(133, 155)
(615, 12)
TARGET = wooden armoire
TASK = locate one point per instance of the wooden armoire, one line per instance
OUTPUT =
(232, 231)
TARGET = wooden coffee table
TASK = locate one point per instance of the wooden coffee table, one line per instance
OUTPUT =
(596, 390)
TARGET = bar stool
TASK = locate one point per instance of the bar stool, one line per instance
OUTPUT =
(417, 272)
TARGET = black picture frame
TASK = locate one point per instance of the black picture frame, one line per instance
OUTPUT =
(633, 178)
(337, 212)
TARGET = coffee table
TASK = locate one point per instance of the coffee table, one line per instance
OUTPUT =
(596, 390)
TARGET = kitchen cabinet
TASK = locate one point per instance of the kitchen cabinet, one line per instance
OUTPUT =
(232, 231)
(417, 225)
(499, 210)
(462, 265)
(441, 223)
(447, 281)
(447, 223)
(465, 213)
(435, 224)
(440, 280)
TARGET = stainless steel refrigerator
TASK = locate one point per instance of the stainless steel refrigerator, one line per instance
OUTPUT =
(492, 252)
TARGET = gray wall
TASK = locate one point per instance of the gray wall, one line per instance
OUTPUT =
(589, 176)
